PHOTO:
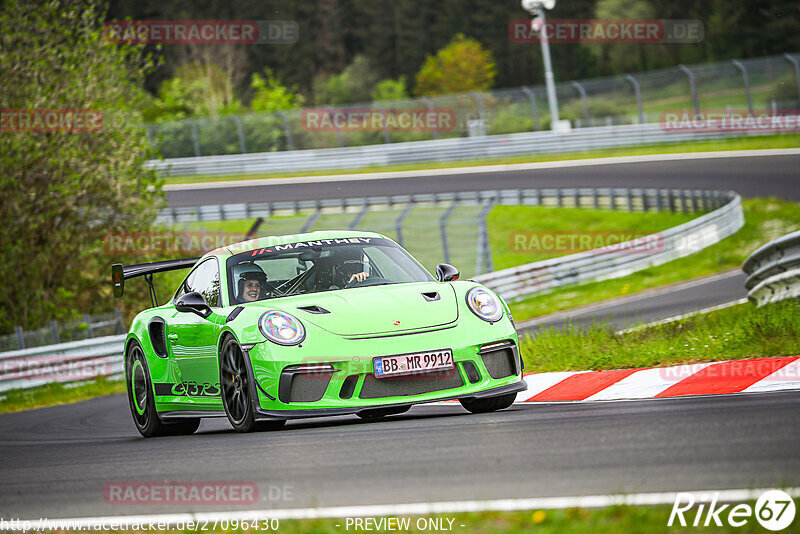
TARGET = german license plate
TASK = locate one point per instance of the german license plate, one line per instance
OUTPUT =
(416, 362)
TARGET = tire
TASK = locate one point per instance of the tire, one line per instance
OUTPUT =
(379, 413)
(237, 391)
(489, 404)
(142, 402)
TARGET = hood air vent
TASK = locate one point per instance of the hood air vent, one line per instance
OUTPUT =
(317, 310)
(431, 296)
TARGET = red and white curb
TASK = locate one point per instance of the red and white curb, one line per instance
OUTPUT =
(716, 378)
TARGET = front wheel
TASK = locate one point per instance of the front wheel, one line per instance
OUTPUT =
(142, 401)
(236, 391)
(489, 404)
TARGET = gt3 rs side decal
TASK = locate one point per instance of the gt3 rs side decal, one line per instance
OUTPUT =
(183, 389)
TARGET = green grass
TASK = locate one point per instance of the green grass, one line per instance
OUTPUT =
(765, 219)
(738, 332)
(57, 393)
(744, 143)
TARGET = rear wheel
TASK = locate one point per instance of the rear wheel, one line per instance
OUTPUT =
(142, 401)
(489, 404)
(236, 391)
(379, 413)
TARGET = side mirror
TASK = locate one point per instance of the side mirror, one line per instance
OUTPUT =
(446, 272)
(193, 302)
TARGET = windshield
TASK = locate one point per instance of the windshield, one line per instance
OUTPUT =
(318, 266)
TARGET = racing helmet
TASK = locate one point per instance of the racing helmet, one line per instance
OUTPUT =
(248, 271)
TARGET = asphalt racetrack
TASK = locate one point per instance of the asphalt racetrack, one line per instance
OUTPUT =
(57, 461)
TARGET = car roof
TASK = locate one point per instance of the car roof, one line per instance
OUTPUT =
(272, 240)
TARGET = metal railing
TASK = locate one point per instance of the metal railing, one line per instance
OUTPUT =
(458, 149)
(602, 264)
(65, 362)
(89, 326)
(629, 99)
(774, 270)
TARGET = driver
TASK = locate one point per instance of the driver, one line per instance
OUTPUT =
(251, 285)
(352, 270)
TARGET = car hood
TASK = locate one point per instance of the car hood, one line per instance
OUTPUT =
(392, 308)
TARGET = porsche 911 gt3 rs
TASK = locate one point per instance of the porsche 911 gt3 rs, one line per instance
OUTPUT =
(323, 323)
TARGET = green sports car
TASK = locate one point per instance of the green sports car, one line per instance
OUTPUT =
(323, 323)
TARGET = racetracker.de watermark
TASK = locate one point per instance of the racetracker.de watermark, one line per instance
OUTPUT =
(55, 368)
(597, 242)
(65, 120)
(225, 493)
(631, 31)
(378, 120)
(146, 243)
(732, 120)
(201, 31)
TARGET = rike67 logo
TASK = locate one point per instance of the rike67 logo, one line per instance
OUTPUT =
(774, 510)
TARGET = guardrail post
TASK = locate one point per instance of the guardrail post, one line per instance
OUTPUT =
(576, 198)
(88, 320)
(692, 88)
(638, 94)
(240, 132)
(287, 129)
(54, 331)
(645, 207)
(793, 60)
(595, 201)
(534, 109)
(195, 137)
(659, 200)
(746, 81)
(443, 230)
(398, 224)
(20, 337)
(629, 194)
(705, 200)
(671, 193)
(538, 197)
(429, 105)
(559, 193)
(584, 103)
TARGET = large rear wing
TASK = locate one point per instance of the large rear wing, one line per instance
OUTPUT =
(120, 273)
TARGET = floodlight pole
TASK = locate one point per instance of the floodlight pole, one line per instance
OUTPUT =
(537, 12)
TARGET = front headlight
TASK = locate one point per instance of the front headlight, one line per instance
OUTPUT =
(281, 328)
(484, 304)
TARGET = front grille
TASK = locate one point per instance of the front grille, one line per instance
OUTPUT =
(303, 387)
(500, 363)
(376, 388)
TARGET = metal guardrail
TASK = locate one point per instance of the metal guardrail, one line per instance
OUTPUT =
(774, 270)
(64, 362)
(456, 149)
(87, 327)
(544, 276)
(103, 356)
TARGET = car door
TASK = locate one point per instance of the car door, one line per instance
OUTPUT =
(193, 339)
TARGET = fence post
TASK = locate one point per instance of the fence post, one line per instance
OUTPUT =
(484, 258)
(20, 337)
(240, 132)
(338, 132)
(120, 320)
(443, 230)
(398, 224)
(287, 129)
(638, 94)
(746, 81)
(429, 104)
(692, 88)
(793, 60)
(584, 103)
(195, 138)
(54, 330)
(481, 111)
(88, 320)
(534, 110)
